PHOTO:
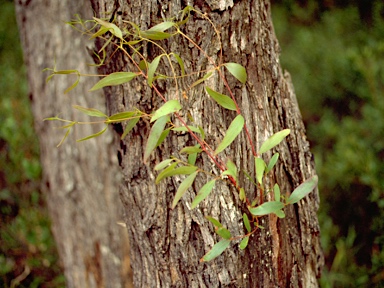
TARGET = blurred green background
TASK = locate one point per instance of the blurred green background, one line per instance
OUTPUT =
(334, 50)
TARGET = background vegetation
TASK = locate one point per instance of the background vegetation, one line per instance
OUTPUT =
(334, 51)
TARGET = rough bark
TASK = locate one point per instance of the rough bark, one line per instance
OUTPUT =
(80, 179)
(166, 244)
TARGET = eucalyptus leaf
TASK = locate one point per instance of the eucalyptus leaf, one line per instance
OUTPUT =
(276, 191)
(154, 136)
(183, 170)
(113, 79)
(131, 123)
(272, 162)
(266, 208)
(244, 243)
(246, 222)
(216, 250)
(274, 140)
(303, 190)
(237, 71)
(223, 232)
(163, 164)
(234, 129)
(152, 69)
(215, 222)
(203, 193)
(170, 106)
(260, 168)
(221, 99)
(93, 135)
(183, 188)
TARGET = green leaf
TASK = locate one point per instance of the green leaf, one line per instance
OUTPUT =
(266, 208)
(232, 167)
(274, 140)
(221, 99)
(154, 136)
(272, 162)
(191, 149)
(162, 137)
(233, 130)
(303, 190)
(171, 171)
(280, 214)
(65, 137)
(242, 194)
(90, 111)
(244, 243)
(237, 71)
(216, 250)
(122, 116)
(276, 191)
(113, 79)
(183, 188)
(223, 232)
(203, 193)
(192, 158)
(162, 26)
(163, 164)
(205, 77)
(154, 35)
(247, 224)
(181, 63)
(152, 69)
(170, 106)
(260, 167)
(215, 222)
(131, 123)
(93, 135)
(111, 27)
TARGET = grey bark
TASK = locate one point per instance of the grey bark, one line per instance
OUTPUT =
(80, 179)
(166, 244)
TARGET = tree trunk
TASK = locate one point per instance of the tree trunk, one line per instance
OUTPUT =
(166, 244)
(80, 179)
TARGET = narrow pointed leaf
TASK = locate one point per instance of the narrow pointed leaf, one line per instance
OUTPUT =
(203, 193)
(165, 173)
(216, 250)
(170, 106)
(113, 79)
(183, 170)
(192, 158)
(65, 137)
(122, 116)
(152, 69)
(276, 191)
(205, 77)
(244, 243)
(260, 168)
(131, 123)
(162, 26)
(154, 35)
(163, 164)
(303, 190)
(221, 99)
(215, 222)
(183, 188)
(266, 208)
(181, 63)
(191, 149)
(274, 140)
(90, 111)
(237, 71)
(247, 224)
(223, 232)
(272, 162)
(111, 27)
(163, 135)
(233, 130)
(242, 194)
(154, 135)
(93, 135)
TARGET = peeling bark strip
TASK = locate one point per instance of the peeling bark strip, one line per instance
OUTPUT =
(166, 244)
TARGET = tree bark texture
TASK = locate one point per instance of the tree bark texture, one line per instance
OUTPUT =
(166, 244)
(80, 179)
